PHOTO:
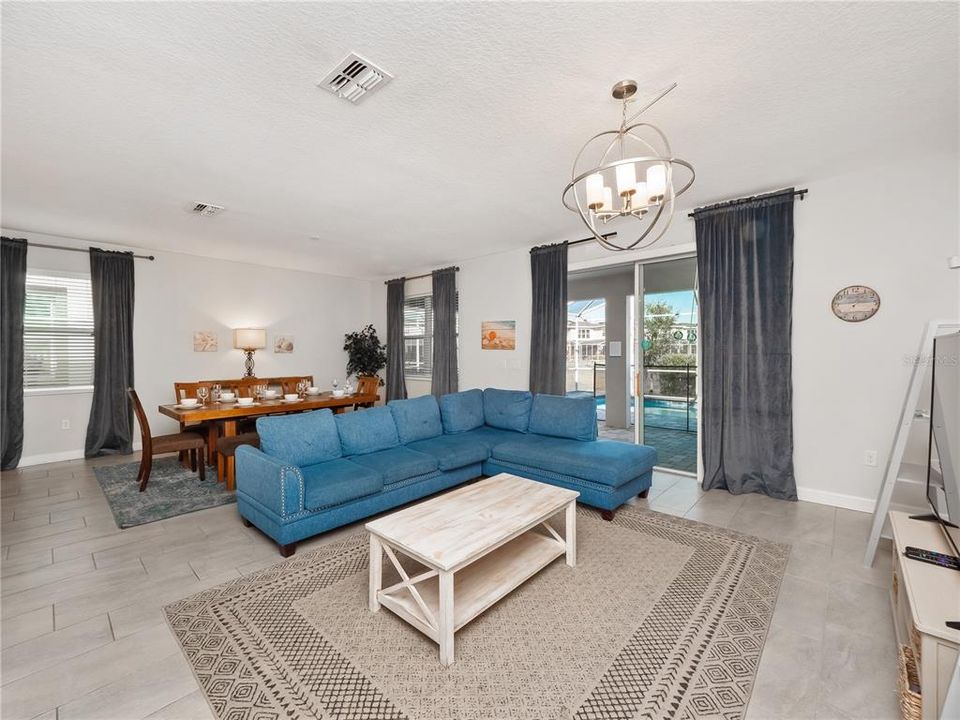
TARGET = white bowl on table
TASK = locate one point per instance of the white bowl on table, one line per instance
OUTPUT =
(271, 394)
(189, 402)
(244, 401)
(228, 396)
(338, 393)
(313, 391)
(291, 397)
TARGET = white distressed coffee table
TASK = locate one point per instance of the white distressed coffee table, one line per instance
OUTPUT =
(477, 543)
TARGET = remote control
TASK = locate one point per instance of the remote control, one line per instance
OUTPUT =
(934, 558)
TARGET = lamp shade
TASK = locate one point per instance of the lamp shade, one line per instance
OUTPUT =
(249, 338)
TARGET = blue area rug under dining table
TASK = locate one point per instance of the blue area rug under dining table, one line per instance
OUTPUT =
(172, 490)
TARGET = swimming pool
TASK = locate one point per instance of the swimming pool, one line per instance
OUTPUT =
(670, 414)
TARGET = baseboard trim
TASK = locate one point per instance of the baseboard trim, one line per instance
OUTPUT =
(825, 497)
(44, 458)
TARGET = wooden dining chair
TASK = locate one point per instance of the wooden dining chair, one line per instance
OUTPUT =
(367, 385)
(190, 442)
(183, 390)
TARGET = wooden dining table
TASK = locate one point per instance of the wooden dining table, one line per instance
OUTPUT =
(228, 415)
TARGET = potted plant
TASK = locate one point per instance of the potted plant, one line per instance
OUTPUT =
(366, 355)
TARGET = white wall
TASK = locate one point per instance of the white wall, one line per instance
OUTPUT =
(177, 294)
(849, 378)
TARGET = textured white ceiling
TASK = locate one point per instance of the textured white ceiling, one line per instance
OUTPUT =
(117, 117)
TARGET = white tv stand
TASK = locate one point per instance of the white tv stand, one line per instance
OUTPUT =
(923, 598)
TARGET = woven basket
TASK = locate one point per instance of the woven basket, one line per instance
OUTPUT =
(908, 685)
(915, 639)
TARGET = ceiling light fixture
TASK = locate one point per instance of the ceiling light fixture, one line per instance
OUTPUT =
(635, 150)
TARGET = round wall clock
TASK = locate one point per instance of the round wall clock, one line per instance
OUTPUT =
(856, 303)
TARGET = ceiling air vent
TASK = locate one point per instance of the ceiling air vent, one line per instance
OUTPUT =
(354, 78)
(207, 210)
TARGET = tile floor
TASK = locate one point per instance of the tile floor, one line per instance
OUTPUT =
(83, 635)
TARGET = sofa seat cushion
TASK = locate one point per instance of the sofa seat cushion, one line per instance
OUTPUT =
(462, 411)
(367, 431)
(453, 451)
(574, 418)
(490, 437)
(336, 482)
(607, 462)
(416, 418)
(397, 463)
(302, 439)
(507, 409)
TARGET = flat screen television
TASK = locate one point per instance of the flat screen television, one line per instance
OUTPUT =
(943, 469)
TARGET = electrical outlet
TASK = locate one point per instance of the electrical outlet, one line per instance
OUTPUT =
(870, 458)
(64, 424)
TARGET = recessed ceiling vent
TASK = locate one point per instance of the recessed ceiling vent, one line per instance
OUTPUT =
(355, 78)
(207, 210)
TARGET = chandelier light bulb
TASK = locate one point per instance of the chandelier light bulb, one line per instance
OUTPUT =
(607, 198)
(641, 197)
(626, 179)
(595, 191)
(656, 181)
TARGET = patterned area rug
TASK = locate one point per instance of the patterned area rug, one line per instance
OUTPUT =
(172, 490)
(662, 618)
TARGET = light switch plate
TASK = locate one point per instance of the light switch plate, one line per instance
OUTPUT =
(615, 349)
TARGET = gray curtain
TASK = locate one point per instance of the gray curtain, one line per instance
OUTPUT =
(548, 327)
(444, 379)
(13, 289)
(110, 428)
(745, 264)
(396, 384)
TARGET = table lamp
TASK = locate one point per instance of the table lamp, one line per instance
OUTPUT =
(249, 340)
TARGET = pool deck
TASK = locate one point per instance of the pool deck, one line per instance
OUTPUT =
(676, 449)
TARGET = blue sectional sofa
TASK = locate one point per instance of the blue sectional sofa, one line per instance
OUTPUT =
(316, 471)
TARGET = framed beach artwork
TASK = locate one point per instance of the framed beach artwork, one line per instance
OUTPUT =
(283, 343)
(498, 335)
(205, 341)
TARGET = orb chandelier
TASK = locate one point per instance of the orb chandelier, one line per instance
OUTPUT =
(628, 173)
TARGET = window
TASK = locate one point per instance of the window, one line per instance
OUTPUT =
(418, 335)
(57, 332)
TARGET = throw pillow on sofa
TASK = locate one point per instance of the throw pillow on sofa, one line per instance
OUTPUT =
(462, 411)
(564, 417)
(367, 431)
(507, 409)
(416, 418)
(302, 439)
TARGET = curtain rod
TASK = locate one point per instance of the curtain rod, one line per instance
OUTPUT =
(577, 242)
(742, 201)
(83, 250)
(456, 268)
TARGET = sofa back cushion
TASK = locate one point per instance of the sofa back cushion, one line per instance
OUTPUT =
(507, 409)
(564, 417)
(367, 431)
(416, 418)
(462, 411)
(302, 439)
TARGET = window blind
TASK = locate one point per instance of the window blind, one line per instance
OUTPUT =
(418, 335)
(57, 332)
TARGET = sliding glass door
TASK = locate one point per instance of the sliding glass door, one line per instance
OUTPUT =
(663, 360)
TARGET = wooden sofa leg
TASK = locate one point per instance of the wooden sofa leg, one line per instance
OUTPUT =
(607, 514)
(246, 523)
(644, 493)
(287, 550)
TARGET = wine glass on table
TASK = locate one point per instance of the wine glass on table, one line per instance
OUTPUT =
(215, 392)
(202, 393)
(335, 383)
(302, 386)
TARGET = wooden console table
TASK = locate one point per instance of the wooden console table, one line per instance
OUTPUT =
(923, 598)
